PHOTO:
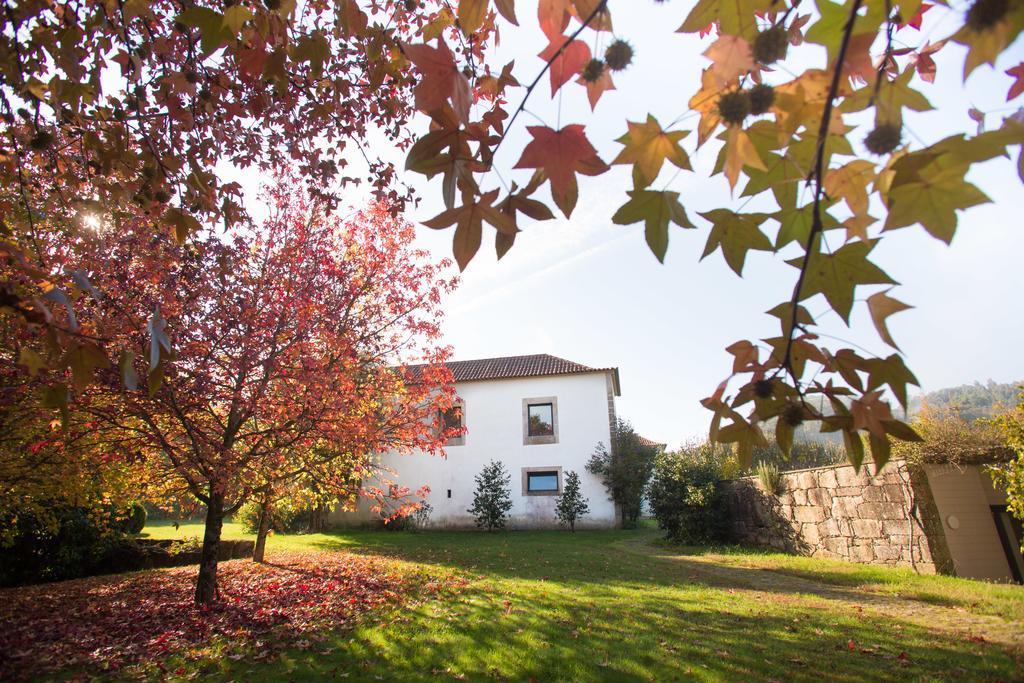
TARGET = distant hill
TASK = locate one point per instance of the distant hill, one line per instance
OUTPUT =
(971, 401)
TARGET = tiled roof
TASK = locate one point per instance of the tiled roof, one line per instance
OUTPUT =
(508, 367)
(644, 441)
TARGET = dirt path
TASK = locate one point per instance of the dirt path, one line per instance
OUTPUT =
(774, 585)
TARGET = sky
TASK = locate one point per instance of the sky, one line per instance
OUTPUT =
(590, 291)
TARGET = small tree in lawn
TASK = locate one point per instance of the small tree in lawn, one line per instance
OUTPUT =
(492, 499)
(571, 504)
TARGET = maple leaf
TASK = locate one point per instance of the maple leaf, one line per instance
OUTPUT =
(985, 45)
(441, 79)
(705, 101)
(656, 209)
(1018, 85)
(562, 154)
(468, 220)
(647, 147)
(924, 63)
(595, 89)
(736, 234)
(471, 15)
(837, 275)
(891, 371)
(881, 306)
(731, 58)
(740, 152)
(733, 17)
(567, 59)
(915, 21)
(850, 183)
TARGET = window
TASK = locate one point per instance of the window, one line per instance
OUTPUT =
(537, 482)
(453, 419)
(542, 481)
(540, 420)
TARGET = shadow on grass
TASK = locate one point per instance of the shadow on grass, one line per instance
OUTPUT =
(592, 606)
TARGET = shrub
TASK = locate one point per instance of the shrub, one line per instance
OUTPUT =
(770, 477)
(135, 520)
(492, 499)
(571, 504)
(686, 496)
(70, 542)
(626, 468)
(285, 518)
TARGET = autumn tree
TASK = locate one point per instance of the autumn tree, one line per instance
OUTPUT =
(138, 115)
(264, 342)
(805, 104)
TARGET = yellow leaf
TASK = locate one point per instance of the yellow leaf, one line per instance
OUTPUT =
(850, 182)
(647, 147)
(882, 306)
(740, 152)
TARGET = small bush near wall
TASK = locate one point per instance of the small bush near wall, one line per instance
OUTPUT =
(285, 518)
(686, 497)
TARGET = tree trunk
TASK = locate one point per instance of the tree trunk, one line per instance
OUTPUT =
(206, 584)
(259, 549)
(318, 519)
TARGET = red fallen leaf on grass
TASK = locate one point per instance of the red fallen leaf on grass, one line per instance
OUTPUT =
(108, 623)
(850, 645)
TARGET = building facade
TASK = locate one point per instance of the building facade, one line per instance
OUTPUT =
(540, 415)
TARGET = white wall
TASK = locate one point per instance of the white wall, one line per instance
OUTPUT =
(493, 412)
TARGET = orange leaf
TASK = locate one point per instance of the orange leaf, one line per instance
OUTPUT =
(567, 63)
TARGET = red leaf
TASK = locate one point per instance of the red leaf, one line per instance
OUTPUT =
(562, 154)
(1018, 86)
(915, 21)
(569, 62)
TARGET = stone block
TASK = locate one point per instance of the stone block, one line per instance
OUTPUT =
(809, 533)
(837, 546)
(808, 513)
(847, 476)
(887, 553)
(786, 497)
(827, 479)
(845, 506)
(806, 480)
(862, 552)
(880, 511)
(873, 494)
(785, 512)
(800, 497)
(893, 493)
(820, 496)
(829, 528)
(867, 528)
(893, 527)
(849, 490)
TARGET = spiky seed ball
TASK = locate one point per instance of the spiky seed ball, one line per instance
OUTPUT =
(272, 5)
(619, 55)
(884, 138)
(593, 70)
(192, 77)
(162, 196)
(984, 14)
(41, 140)
(763, 388)
(793, 415)
(410, 5)
(770, 46)
(733, 107)
(762, 96)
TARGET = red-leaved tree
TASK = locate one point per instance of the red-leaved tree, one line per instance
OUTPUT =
(283, 336)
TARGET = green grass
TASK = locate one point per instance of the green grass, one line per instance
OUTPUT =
(611, 606)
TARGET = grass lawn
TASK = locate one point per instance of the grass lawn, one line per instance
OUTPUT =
(617, 605)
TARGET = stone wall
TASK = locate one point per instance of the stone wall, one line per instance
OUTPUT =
(875, 518)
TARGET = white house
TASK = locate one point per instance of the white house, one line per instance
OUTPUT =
(541, 415)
